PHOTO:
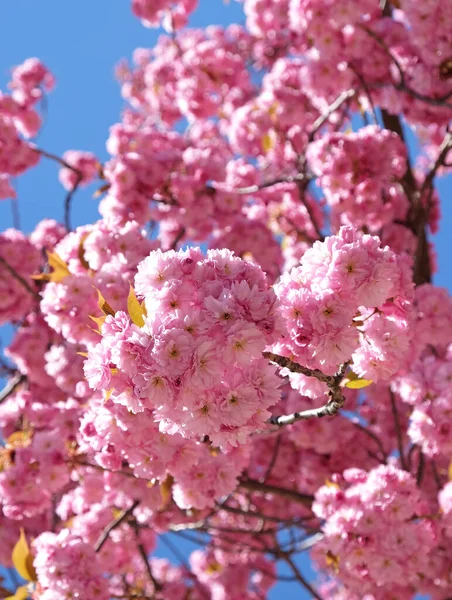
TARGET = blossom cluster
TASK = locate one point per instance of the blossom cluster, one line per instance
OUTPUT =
(262, 258)
(197, 358)
(348, 300)
(18, 118)
(67, 568)
(357, 507)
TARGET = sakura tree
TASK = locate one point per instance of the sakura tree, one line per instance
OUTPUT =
(246, 350)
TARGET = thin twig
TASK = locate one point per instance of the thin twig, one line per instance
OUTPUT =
(15, 213)
(300, 578)
(157, 585)
(302, 186)
(420, 468)
(57, 159)
(309, 542)
(336, 397)
(256, 486)
(365, 87)
(11, 386)
(71, 192)
(395, 416)
(402, 86)
(273, 459)
(23, 282)
(252, 189)
(113, 525)
(347, 95)
(180, 234)
(374, 437)
(443, 150)
(68, 202)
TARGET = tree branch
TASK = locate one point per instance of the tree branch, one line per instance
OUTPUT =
(157, 585)
(113, 525)
(256, 486)
(300, 578)
(23, 282)
(70, 193)
(402, 86)
(252, 189)
(395, 416)
(11, 386)
(68, 202)
(336, 397)
(347, 95)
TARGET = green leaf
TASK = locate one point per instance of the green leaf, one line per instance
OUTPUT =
(22, 559)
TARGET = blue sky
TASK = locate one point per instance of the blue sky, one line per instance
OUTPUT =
(81, 42)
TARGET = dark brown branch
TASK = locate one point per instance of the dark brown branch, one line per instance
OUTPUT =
(57, 159)
(68, 202)
(402, 86)
(287, 363)
(180, 234)
(264, 488)
(395, 416)
(443, 150)
(113, 525)
(23, 282)
(372, 436)
(336, 397)
(367, 92)
(420, 468)
(273, 459)
(253, 514)
(157, 585)
(71, 192)
(302, 186)
(300, 578)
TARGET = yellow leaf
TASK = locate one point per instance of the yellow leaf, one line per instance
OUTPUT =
(135, 309)
(272, 111)
(353, 382)
(20, 594)
(267, 142)
(59, 269)
(85, 354)
(358, 384)
(22, 559)
(332, 561)
(108, 393)
(81, 251)
(19, 439)
(450, 471)
(101, 190)
(165, 491)
(99, 322)
(331, 484)
(144, 309)
(103, 305)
